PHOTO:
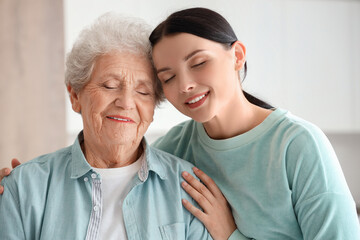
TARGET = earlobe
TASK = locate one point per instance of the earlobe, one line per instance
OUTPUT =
(74, 99)
(240, 55)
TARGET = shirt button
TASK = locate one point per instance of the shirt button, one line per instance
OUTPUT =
(86, 179)
(96, 208)
(93, 175)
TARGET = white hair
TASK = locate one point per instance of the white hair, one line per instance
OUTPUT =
(110, 32)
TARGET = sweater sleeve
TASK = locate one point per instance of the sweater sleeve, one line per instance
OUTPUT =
(321, 198)
(328, 216)
(237, 235)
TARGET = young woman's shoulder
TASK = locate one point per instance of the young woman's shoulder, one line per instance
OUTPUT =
(176, 137)
(299, 129)
(310, 156)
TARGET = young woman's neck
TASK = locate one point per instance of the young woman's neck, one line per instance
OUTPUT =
(236, 118)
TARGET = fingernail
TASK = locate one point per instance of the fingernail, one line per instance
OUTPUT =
(185, 174)
(184, 184)
(195, 169)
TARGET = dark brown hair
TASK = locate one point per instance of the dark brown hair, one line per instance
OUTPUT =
(204, 23)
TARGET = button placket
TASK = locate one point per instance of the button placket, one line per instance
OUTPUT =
(95, 218)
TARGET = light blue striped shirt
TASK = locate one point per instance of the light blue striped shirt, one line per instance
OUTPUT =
(58, 196)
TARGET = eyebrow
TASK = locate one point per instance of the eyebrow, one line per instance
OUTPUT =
(192, 54)
(162, 70)
(142, 82)
(187, 57)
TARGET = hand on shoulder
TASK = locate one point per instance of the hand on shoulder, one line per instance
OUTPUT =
(6, 172)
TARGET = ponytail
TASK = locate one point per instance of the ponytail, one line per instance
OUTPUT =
(257, 101)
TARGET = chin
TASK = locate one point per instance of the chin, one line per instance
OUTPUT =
(200, 118)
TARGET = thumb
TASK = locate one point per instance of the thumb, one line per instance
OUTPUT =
(15, 162)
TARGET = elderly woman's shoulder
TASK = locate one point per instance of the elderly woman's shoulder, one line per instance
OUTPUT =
(43, 164)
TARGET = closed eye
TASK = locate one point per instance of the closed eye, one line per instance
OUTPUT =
(109, 87)
(197, 65)
(167, 80)
(143, 93)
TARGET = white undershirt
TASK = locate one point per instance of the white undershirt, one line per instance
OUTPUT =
(115, 187)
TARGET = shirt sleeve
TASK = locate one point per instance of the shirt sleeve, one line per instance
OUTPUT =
(10, 216)
(321, 198)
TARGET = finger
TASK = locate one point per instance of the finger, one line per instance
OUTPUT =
(1, 189)
(15, 162)
(194, 210)
(198, 197)
(209, 182)
(198, 186)
(4, 172)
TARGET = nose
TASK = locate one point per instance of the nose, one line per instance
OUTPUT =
(186, 84)
(125, 100)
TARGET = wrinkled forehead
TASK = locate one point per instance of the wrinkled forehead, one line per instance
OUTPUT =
(125, 66)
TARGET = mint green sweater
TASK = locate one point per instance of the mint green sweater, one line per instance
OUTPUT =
(282, 178)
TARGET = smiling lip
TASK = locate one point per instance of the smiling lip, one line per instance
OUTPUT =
(197, 100)
(119, 118)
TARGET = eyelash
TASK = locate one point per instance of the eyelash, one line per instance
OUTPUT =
(197, 65)
(167, 80)
(143, 93)
(107, 87)
(193, 66)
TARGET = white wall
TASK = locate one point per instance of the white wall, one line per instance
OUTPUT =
(303, 55)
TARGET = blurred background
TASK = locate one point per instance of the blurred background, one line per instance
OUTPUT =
(303, 55)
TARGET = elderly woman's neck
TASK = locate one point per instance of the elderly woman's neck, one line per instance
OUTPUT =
(111, 157)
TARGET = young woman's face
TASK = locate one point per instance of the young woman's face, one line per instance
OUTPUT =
(199, 76)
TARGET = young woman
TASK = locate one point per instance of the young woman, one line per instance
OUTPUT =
(278, 173)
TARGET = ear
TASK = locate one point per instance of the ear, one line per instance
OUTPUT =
(240, 55)
(74, 99)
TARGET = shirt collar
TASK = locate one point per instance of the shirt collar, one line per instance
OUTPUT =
(79, 165)
(151, 162)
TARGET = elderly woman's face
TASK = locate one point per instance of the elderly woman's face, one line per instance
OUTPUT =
(117, 105)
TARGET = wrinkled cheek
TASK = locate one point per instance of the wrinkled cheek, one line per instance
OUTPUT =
(93, 124)
(146, 120)
(96, 124)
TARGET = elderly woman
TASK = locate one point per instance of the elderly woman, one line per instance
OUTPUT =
(110, 183)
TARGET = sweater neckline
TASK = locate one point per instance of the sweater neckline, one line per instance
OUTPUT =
(242, 139)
